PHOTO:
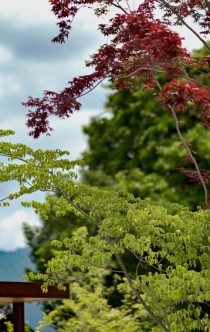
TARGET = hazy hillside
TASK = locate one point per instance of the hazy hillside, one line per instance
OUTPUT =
(12, 268)
(13, 264)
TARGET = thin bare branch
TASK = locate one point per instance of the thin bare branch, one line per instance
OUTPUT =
(117, 5)
(187, 148)
(191, 157)
(174, 11)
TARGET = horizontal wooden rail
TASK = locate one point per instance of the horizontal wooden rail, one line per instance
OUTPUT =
(11, 292)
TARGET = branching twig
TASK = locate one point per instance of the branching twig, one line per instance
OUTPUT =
(76, 206)
(181, 320)
(117, 5)
(91, 89)
(174, 11)
(134, 290)
(187, 148)
(191, 156)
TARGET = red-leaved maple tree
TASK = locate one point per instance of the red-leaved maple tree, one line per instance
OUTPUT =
(141, 45)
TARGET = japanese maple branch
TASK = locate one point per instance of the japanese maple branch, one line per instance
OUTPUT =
(174, 11)
(186, 146)
(191, 156)
(117, 5)
(153, 71)
(91, 89)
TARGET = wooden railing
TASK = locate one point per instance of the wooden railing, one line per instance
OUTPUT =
(20, 292)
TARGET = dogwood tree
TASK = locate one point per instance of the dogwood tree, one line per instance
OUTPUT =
(170, 283)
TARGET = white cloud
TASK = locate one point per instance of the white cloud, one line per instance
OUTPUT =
(26, 11)
(26, 73)
(11, 83)
(29, 12)
(6, 55)
(11, 234)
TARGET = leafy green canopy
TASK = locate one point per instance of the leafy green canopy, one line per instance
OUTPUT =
(171, 249)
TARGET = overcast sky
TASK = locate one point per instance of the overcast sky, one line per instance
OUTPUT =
(29, 64)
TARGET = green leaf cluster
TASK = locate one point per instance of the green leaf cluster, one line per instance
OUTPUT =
(172, 259)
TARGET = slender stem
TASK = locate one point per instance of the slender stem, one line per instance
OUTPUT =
(136, 293)
(91, 89)
(128, 5)
(191, 156)
(117, 5)
(174, 11)
(181, 320)
(76, 206)
(134, 290)
(187, 148)
(4, 199)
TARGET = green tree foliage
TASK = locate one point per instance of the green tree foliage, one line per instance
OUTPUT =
(88, 308)
(40, 237)
(171, 248)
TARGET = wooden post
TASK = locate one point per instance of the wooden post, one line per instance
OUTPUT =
(18, 316)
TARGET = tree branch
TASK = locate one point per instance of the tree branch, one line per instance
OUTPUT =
(174, 11)
(117, 5)
(191, 156)
(187, 148)
(136, 293)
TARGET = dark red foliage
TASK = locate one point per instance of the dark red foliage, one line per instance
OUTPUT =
(140, 45)
(193, 175)
(182, 94)
(139, 48)
(59, 104)
(65, 13)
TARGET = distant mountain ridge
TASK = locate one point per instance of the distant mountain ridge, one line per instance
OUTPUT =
(12, 268)
(14, 263)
